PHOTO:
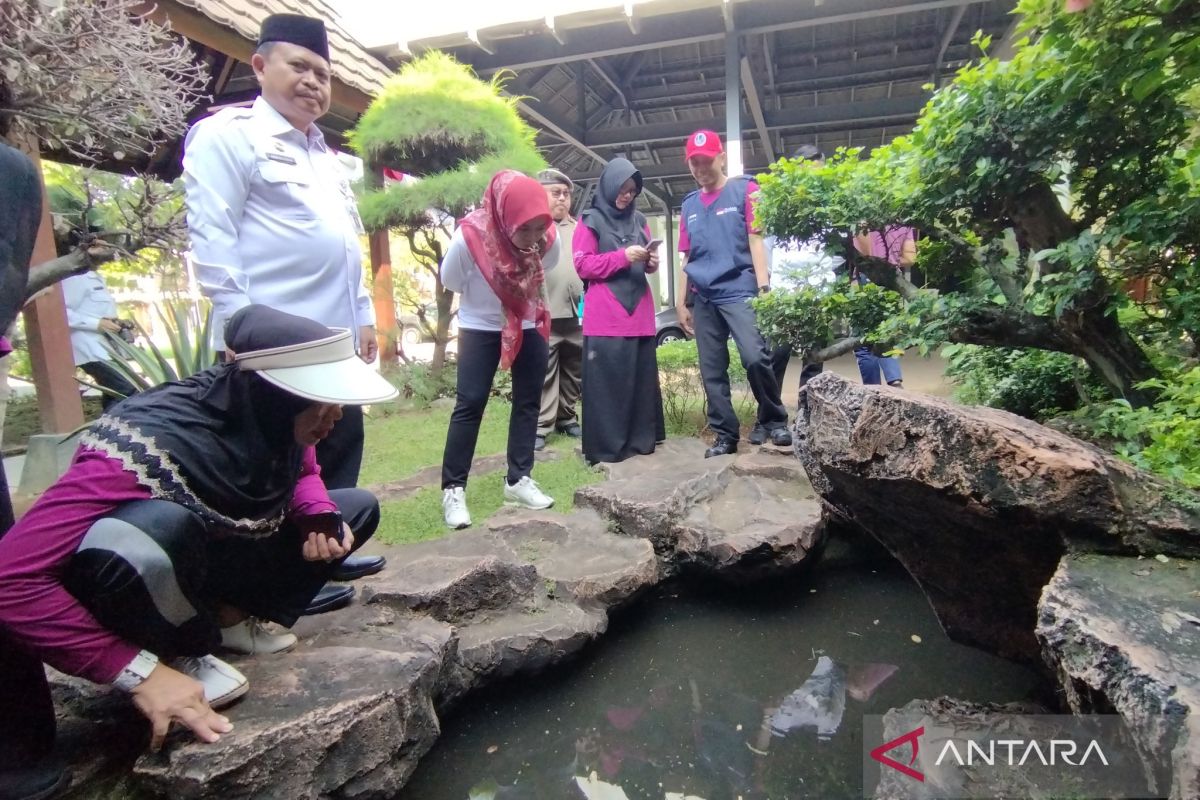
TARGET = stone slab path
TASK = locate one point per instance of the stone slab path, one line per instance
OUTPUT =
(351, 711)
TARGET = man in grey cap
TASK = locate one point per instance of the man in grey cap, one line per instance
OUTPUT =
(560, 392)
(273, 221)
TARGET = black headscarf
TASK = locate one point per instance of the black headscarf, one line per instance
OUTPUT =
(220, 443)
(616, 229)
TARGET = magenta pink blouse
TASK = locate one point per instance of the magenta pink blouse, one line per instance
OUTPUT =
(37, 611)
(603, 315)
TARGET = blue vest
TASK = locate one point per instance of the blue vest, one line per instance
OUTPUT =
(719, 263)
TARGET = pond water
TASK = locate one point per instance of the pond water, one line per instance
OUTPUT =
(700, 694)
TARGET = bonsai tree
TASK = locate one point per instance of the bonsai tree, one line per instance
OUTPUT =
(85, 78)
(1041, 186)
(436, 120)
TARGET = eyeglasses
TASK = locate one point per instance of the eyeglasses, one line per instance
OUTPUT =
(628, 192)
(558, 194)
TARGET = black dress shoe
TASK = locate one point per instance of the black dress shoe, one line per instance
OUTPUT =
(573, 430)
(41, 781)
(722, 447)
(330, 598)
(758, 434)
(781, 437)
(354, 567)
(539, 443)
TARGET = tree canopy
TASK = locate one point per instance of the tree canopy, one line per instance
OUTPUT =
(1040, 185)
(440, 123)
(435, 119)
(94, 77)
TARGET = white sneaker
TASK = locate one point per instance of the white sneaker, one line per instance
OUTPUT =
(527, 494)
(454, 508)
(251, 637)
(222, 683)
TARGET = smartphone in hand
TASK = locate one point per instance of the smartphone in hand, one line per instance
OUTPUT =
(653, 244)
(328, 523)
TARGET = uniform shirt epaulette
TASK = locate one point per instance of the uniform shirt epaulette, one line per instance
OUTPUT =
(227, 116)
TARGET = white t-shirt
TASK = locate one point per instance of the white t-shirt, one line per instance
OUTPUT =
(479, 308)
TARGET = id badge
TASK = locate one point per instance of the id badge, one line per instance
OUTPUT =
(352, 208)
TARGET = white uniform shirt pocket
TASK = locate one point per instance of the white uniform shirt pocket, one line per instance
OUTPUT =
(284, 188)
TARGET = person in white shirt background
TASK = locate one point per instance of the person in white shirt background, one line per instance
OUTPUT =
(495, 263)
(272, 220)
(92, 312)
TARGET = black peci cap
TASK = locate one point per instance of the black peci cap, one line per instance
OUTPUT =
(296, 29)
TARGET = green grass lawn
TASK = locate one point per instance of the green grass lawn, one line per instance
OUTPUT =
(402, 443)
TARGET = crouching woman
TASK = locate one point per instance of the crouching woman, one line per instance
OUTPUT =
(188, 511)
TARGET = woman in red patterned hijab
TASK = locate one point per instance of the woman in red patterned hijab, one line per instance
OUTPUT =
(507, 238)
(494, 264)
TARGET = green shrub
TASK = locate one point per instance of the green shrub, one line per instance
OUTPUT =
(1033, 383)
(1163, 438)
(684, 407)
(419, 382)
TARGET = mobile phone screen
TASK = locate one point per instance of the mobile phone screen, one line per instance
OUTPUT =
(653, 244)
(329, 523)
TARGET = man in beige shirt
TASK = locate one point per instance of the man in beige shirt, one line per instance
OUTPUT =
(560, 392)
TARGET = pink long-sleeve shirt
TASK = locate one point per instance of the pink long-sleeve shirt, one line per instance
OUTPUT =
(603, 314)
(36, 609)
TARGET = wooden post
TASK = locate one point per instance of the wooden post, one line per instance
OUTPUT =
(382, 296)
(49, 337)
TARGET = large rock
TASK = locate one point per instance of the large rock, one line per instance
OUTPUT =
(585, 561)
(524, 639)
(333, 719)
(978, 504)
(1123, 634)
(739, 517)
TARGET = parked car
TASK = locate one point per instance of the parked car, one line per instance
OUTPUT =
(667, 327)
(411, 331)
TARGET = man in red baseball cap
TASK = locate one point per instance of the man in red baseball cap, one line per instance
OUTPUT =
(725, 262)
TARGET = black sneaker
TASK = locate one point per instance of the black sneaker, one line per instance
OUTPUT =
(781, 437)
(758, 434)
(722, 447)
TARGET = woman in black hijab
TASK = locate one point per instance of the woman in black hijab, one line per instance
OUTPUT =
(622, 404)
(187, 509)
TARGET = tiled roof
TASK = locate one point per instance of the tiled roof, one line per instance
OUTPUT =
(352, 64)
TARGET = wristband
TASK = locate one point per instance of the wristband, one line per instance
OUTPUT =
(136, 671)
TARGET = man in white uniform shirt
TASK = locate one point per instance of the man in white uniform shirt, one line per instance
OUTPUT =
(272, 218)
(92, 312)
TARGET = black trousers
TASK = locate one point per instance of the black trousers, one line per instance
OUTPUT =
(478, 358)
(714, 325)
(151, 573)
(340, 453)
(781, 356)
(108, 376)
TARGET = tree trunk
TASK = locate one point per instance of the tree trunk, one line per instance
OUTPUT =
(1112, 354)
(441, 337)
(1091, 331)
